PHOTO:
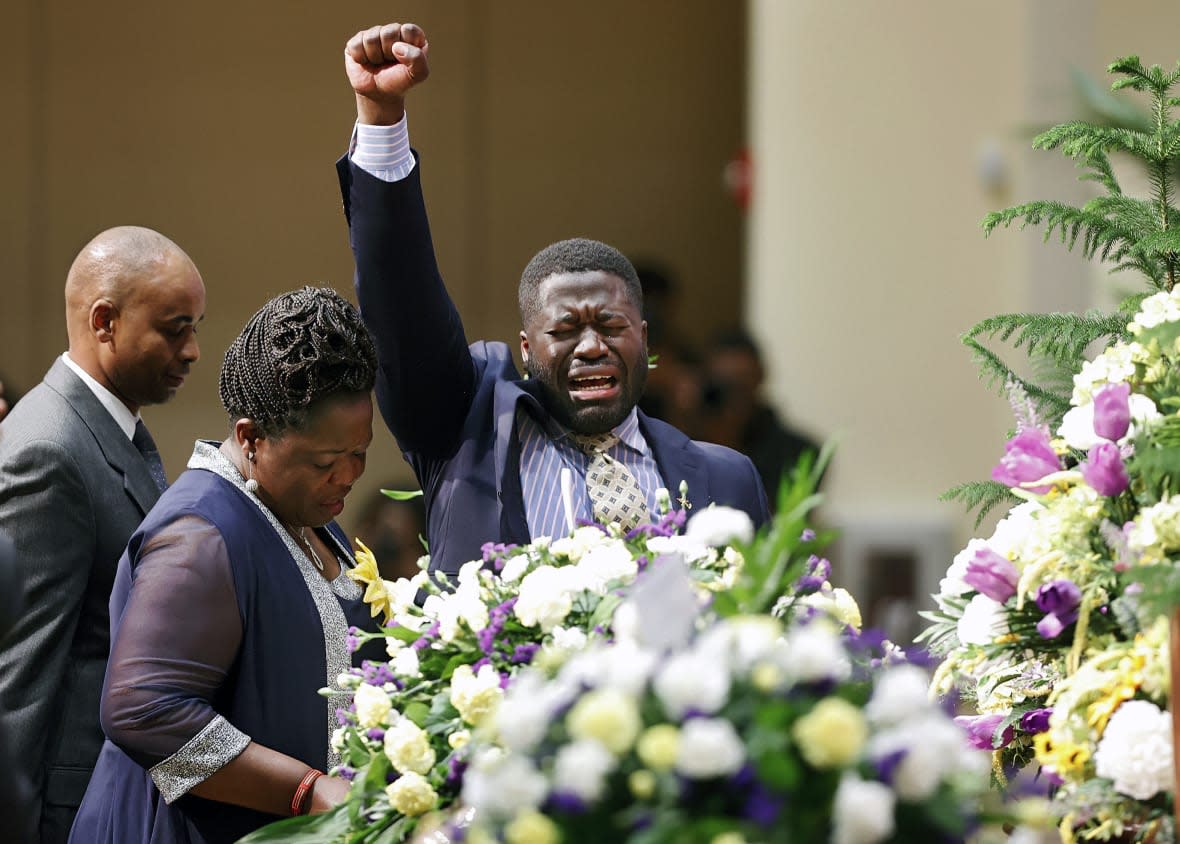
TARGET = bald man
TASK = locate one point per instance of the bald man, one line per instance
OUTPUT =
(78, 472)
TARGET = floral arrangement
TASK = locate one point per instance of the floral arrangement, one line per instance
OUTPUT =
(403, 740)
(749, 730)
(1053, 625)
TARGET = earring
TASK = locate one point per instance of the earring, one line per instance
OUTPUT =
(251, 484)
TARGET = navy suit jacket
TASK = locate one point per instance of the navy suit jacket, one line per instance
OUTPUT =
(452, 407)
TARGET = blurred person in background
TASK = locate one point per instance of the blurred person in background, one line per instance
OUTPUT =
(735, 413)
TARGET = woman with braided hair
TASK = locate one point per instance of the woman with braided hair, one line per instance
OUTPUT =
(231, 605)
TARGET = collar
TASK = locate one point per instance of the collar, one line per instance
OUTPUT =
(627, 431)
(119, 412)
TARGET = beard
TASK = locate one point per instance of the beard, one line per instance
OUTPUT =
(588, 417)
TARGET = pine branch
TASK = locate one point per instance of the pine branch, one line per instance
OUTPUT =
(1101, 172)
(1079, 139)
(984, 495)
(1111, 235)
(1061, 337)
(993, 370)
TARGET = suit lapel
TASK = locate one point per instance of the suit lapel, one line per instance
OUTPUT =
(120, 454)
(513, 519)
(678, 460)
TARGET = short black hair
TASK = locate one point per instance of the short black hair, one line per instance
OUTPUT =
(576, 255)
(299, 348)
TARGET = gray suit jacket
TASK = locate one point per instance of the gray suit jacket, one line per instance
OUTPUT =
(72, 491)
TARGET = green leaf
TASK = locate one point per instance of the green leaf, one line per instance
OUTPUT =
(402, 494)
(307, 829)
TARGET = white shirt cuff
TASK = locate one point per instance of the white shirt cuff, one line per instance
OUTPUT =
(383, 151)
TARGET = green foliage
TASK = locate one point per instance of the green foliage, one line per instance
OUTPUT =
(1129, 233)
(984, 495)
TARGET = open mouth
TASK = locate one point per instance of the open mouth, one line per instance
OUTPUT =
(590, 387)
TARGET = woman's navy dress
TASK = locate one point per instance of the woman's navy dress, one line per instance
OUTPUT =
(222, 633)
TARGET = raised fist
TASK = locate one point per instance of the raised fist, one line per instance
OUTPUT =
(383, 63)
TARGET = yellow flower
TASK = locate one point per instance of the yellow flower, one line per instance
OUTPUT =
(608, 716)
(411, 794)
(531, 827)
(365, 572)
(458, 739)
(729, 838)
(1066, 758)
(659, 746)
(1130, 678)
(642, 783)
(832, 734)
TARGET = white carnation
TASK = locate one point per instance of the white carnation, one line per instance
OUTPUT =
(578, 543)
(692, 682)
(544, 598)
(501, 785)
(1156, 310)
(606, 563)
(526, 711)
(514, 568)
(1011, 530)
(709, 747)
(899, 693)
(813, 653)
(1136, 750)
(372, 706)
(580, 769)
(982, 622)
(692, 549)
(718, 526)
(405, 663)
(862, 812)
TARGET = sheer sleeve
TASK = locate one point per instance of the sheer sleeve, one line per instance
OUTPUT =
(177, 639)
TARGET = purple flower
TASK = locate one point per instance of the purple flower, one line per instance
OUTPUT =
(346, 772)
(1104, 470)
(1112, 411)
(1059, 600)
(808, 535)
(567, 803)
(886, 765)
(1061, 597)
(981, 731)
(991, 574)
(1028, 457)
(456, 768)
(524, 653)
(376, 734)
(1035, 721)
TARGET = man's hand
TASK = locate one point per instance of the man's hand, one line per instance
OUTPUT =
(383, 63)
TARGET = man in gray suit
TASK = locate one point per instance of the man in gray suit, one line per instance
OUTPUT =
(78, 472)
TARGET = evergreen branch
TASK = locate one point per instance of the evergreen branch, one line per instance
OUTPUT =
(984, 495)
(1062, 337)
(1101, 172)
(992, 370)
(1078, 139)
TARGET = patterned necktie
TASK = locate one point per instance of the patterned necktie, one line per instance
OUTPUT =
(147, 447)
(614, 492)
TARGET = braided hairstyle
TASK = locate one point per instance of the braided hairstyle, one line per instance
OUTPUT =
(299, 348)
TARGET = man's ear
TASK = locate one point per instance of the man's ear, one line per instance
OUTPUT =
(103, 314)
(524, 347)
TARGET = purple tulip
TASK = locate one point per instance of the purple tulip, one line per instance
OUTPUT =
(1035, 721)
(981, 731)
(992, 575)
(1104, 470)
(1112, 411)
(1028, 456)
(1059, 600)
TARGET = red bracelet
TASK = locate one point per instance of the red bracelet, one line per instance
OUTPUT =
(304, 791)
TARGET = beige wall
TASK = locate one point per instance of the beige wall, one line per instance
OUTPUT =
(218, 124)
(868, 122)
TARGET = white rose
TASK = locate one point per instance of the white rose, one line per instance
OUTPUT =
(718, 526)
(982, 622)
(692, 681)
(543, 598)
(476, 696)
(709, 747)
(899, 693)
(577, 543)
(1012, 530)
(411, 795)
(862, 812)
(1136, 750)
(580, 769)
(372, 706)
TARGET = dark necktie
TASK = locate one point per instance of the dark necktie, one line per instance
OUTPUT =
(614, 492)
(151, 455)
